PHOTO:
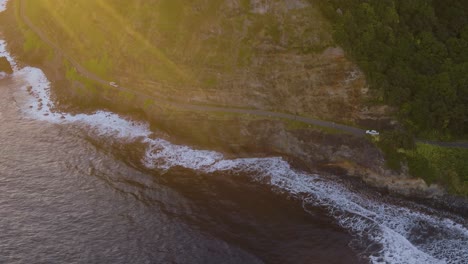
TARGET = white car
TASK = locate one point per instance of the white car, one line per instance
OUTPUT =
(372, 132)
(113, 84)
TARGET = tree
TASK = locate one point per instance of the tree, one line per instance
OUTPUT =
(416, 52)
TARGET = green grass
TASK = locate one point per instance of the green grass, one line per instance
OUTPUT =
(71, 72)
(100, 66)
(174, 42)
(448, 166)
(298, 125)
(433, 164)
(32, 44)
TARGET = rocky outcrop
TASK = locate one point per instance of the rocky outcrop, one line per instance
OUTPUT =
(5, 66)
(308, 148)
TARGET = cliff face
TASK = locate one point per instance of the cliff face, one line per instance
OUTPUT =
(275, 55)
(280, 75)
(279, 56)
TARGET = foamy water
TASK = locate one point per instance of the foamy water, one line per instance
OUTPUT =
(40, 106)
(3, 4)
(401, 235)
(382, 224)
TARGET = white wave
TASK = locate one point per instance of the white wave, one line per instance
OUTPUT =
(161, 154)
(3, 4)
(37, 86)
(401, 234)
(390, 227)
(39, 105)
(111, 124)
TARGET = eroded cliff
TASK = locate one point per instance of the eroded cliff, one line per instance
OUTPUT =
(232, 56)
(275, 55)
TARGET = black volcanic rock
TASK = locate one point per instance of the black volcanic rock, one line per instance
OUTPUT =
(5, 66)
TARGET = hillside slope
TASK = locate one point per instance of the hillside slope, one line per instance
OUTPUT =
(195, 52)
(274, 55)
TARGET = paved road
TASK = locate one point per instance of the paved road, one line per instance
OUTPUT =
(444, 144)
(204, 108)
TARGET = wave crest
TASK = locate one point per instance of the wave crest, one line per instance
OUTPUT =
(385, 233)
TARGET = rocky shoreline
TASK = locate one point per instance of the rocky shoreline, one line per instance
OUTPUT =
(355, 159)
(310, 149)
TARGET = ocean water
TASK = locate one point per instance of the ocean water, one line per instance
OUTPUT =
(103, 188)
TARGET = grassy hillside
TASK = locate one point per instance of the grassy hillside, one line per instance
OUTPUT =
(271, 55)
(276, 55)
(173, 41)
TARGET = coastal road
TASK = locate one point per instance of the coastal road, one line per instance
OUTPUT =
(179, 104)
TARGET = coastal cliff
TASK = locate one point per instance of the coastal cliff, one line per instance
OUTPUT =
(273, 55)
(294, 67)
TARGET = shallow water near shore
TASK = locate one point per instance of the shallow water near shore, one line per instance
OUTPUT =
(103, 188)
(70, 194)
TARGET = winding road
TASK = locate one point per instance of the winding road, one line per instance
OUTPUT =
(204, 108)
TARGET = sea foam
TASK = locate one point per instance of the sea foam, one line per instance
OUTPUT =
(40, 106)
(400, 234)
(3, 4)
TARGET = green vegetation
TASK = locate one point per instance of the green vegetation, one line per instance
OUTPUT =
(32, 45)
(174, 43)
(32, 42)
(99, 66)
(447, 166)
(416, 53)
(72, 75)
(394, 144)
(298, 125)
(442, 165)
